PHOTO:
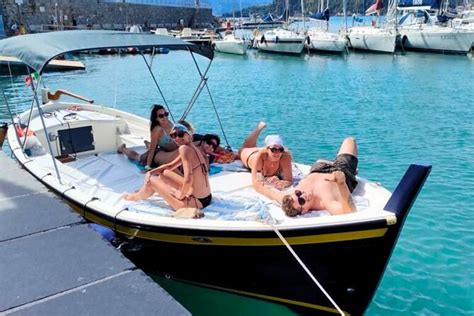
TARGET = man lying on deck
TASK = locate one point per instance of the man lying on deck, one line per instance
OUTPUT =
(328, 186)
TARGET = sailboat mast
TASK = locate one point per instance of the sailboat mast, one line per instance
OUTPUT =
(302, 15)
(233, 14)
(344, 9)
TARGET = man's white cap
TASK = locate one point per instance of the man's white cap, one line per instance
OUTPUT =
(273, 140)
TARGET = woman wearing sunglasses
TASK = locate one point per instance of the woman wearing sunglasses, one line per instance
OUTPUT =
(328, 186)
(160, 127)
(271, 161)
(190, 190)
(207, 144)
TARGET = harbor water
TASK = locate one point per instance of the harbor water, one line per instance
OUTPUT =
(402, 109)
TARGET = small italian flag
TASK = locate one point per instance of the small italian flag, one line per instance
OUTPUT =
(29, 78)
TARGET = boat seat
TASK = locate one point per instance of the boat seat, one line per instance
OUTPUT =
(131, 140)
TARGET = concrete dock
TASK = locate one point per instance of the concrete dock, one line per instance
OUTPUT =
(53, 263)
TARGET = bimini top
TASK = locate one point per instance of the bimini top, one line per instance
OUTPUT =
(36, 50)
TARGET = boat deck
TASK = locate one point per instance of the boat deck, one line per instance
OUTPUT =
(99, 176)
(52, 263)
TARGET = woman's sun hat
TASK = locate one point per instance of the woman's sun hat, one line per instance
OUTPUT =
(273, 140)
(181, 127)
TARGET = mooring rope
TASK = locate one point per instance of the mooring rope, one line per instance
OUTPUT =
(305, 268)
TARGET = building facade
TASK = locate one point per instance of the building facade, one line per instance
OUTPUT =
(44, 15)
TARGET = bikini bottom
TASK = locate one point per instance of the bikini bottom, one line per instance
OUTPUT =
(205, 201)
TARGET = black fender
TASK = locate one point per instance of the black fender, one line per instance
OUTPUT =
(404, 41)
(262, 39)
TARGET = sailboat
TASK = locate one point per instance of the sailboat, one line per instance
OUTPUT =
(374, 38)
(282, 40)
(419, 30)
(320, 39)
(230, 43)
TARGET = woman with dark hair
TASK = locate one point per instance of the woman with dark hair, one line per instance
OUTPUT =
(192, 189)
(160, 127)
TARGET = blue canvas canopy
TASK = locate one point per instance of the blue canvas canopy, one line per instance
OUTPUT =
(321, 15)
(36, 50)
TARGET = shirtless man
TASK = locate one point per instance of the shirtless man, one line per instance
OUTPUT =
(328, 186)
(190, 190)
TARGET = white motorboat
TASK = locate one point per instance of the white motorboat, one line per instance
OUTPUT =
(281, 41)
(71, 148)
(231, 45)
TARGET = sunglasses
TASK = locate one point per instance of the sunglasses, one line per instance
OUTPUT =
(276, 149)
(179, 134)
(166, 114)
(301, 200)
(211, 143)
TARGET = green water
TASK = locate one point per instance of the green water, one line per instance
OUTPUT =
(401, 109)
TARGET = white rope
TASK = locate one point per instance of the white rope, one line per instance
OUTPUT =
(305, 268)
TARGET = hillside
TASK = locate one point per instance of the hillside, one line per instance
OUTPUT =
(220, 7)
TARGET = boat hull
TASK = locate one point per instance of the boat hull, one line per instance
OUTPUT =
(283, 47)
(347, 261)
(281, 41)
(442, 40)
(372, 39)
(237, 47)
(327, 42)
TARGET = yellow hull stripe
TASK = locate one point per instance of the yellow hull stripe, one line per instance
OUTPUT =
(233, 241)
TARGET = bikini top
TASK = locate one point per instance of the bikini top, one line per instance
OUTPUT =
(278, 172)
(164, 140)
(201, 164)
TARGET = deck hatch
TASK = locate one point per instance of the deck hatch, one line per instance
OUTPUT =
(76, 140)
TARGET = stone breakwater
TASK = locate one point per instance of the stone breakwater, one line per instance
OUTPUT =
(70, 14)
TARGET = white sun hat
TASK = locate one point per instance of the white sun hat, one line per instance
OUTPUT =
(273, 140)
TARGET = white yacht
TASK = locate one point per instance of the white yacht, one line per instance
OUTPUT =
(281, 41)
(376, 38)
(372, 38)
(322, 40)
(231, 44)
(426, 35)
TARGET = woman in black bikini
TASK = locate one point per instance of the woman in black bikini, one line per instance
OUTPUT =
(190, 190)
(272, 161)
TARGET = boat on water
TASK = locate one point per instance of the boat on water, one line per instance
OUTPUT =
(16, 66)
(320, 39)
(375, 38)
(244, 244)
(420, 30)
(282, 40)
(231, 44)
